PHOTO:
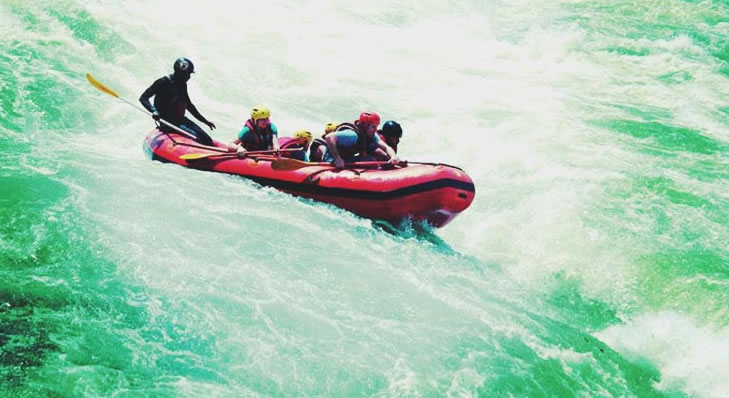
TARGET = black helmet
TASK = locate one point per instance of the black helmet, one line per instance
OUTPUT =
(392, 129)
(183, 65)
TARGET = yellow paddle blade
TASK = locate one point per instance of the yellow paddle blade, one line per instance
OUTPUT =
(288, 164)
(100, 86)
(193, 156)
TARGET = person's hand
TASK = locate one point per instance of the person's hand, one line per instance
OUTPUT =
(241, 151)
(155, 116)
(211, 125)
(394, 161)
(339, 163)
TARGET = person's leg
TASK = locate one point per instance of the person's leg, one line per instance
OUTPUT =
(202, 137)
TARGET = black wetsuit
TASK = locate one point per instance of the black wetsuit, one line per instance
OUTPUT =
(171, 101)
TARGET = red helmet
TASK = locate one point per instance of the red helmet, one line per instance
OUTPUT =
(369, 118)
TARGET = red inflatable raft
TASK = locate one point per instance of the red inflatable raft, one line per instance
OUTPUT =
(435, 193)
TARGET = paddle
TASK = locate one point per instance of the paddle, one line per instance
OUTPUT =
(195, 156)
(434, 164)
(286, 164)
(107, 90)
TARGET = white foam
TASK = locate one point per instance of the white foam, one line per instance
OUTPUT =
(691, 357)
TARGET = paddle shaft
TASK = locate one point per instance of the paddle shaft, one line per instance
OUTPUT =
(434, 164)
(294, 164)
(114, 94)
(195, 156)
(369, 163)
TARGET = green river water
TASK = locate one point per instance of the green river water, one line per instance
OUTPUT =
(592, 263)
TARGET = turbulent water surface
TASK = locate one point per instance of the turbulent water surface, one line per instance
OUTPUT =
(593, 261)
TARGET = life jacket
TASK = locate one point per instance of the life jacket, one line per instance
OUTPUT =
(382, 138)
(262, 138)
(314, 149)
(171, 102)
(180, 98)
(363, 141)
(288, 143)
(291, 143)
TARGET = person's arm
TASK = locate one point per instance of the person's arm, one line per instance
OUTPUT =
(274, 139)
(331, 140)
(381, 154)
(193, 110)
(239, 144)
(392, 156)
(150, 92)
(235, 145)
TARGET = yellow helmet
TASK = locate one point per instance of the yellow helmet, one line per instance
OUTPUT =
(330, 127)
(303, 134)
(260, 112)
